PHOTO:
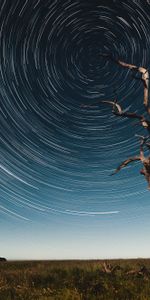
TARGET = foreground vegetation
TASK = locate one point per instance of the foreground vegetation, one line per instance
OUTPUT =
(75, 280)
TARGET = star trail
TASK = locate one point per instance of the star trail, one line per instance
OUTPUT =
(56, 154)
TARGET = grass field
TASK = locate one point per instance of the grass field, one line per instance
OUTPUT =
(74, 280)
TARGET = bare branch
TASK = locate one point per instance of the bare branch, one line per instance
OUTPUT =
(144, 77)
(117, 110)
(126, 162)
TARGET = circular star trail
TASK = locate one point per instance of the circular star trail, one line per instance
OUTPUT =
(56, 155)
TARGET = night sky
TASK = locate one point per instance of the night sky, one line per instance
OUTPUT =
(57, 198)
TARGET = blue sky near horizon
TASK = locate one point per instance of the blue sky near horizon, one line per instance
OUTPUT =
(57, 198)
(121, 236)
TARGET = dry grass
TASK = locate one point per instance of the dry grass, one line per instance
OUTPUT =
(66, 280)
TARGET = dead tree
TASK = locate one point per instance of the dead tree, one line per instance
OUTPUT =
(143, 271)
(141, 70)
(108, 268)
(142, 120)
(144, 160)
(117, 111)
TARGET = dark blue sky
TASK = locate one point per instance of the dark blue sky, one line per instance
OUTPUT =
(56, 156)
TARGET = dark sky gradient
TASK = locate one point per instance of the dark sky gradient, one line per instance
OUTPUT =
(56, 156)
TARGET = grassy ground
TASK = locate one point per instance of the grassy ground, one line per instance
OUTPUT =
(75, 280)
